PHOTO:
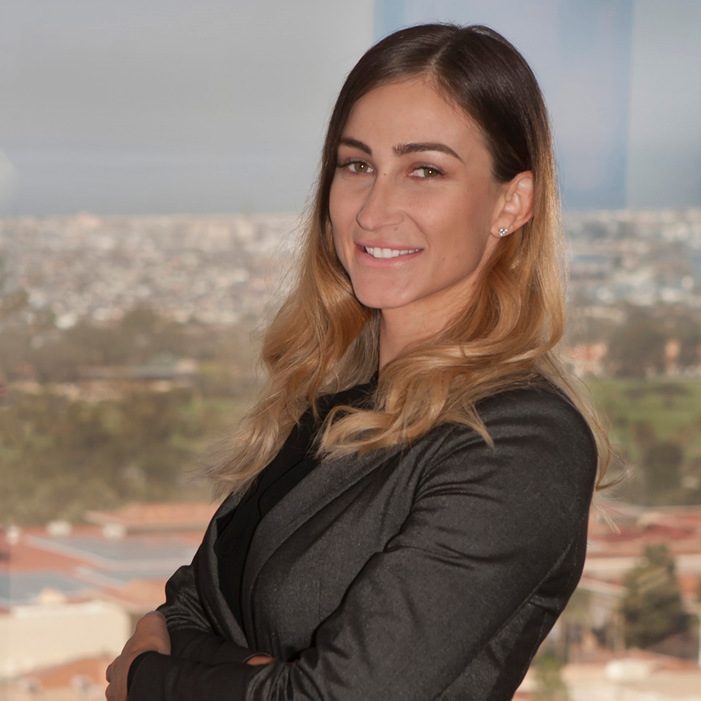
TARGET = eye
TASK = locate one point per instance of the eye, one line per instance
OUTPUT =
(357, 167)
(426, 172)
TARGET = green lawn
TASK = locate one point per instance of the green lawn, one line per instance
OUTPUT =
(656, 427)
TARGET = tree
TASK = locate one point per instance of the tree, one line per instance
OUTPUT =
(652, 606)
(549, 685)
(686, 328)
(13, 300)
(637, 348)
(60, 457)
(662, 462)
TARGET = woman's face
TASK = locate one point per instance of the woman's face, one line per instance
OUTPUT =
(413, 203)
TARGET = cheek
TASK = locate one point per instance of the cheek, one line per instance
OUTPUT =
(338, 247)
(336, 200)
(469, 223)
(339, 217)
(337, 240)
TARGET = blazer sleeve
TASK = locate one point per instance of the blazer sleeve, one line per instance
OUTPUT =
(488, 527)
(201, 661)
(192, 635)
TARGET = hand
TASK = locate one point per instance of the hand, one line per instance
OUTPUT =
(259, 660)
(150, 633)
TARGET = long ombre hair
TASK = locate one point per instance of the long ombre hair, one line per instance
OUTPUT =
(324, 340)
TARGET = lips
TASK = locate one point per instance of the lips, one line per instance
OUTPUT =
(377, 252)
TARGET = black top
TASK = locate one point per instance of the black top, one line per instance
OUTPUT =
(295, 461)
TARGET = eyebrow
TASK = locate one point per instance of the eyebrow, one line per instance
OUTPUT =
(402, 149)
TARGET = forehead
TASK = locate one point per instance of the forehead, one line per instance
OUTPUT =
(410, 110)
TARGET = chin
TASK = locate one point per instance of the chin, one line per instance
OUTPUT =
(368, 301)
(370, 298)
(380, 297)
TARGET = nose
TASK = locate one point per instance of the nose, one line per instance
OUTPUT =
(381, 207)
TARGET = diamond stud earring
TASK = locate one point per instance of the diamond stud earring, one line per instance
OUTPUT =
(503, 231)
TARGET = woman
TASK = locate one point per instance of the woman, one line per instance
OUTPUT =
(409, 497)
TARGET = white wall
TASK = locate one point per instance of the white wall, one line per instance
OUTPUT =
(54, 633)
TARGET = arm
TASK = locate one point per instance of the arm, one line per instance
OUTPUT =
(151, 638)
(180, 628)
(191, 632)
(150, 634)
(488, 527)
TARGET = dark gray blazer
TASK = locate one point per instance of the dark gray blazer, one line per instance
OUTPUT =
(430, 572)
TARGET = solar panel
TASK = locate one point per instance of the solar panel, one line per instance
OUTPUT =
(24, 587)
(118, 554)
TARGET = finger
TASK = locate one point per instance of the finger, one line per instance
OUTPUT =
(259, 660)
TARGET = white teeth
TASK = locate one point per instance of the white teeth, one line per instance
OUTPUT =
(388, 252)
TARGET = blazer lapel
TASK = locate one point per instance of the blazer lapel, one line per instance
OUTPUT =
(210, 576)
(319, 488)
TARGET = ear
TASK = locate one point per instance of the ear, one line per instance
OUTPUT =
(515, 206)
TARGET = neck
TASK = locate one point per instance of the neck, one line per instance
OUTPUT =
(397, 333)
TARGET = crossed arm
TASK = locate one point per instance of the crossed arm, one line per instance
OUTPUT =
(151, 635)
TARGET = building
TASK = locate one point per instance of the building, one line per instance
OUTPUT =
(70, 594)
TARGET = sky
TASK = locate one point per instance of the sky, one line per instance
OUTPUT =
(622, 80)
(169, 106)
(580, 54)
(146, 106)
(665, 105)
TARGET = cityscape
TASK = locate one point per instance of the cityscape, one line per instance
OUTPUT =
(222, 269)
(99, 558)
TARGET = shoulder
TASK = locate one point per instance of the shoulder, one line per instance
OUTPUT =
(540, 404)
(539, 441)
(539, 408)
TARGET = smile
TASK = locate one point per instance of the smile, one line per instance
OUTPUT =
(389, 252)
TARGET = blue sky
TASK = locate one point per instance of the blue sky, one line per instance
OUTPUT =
(622, 80)
(165, 106)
